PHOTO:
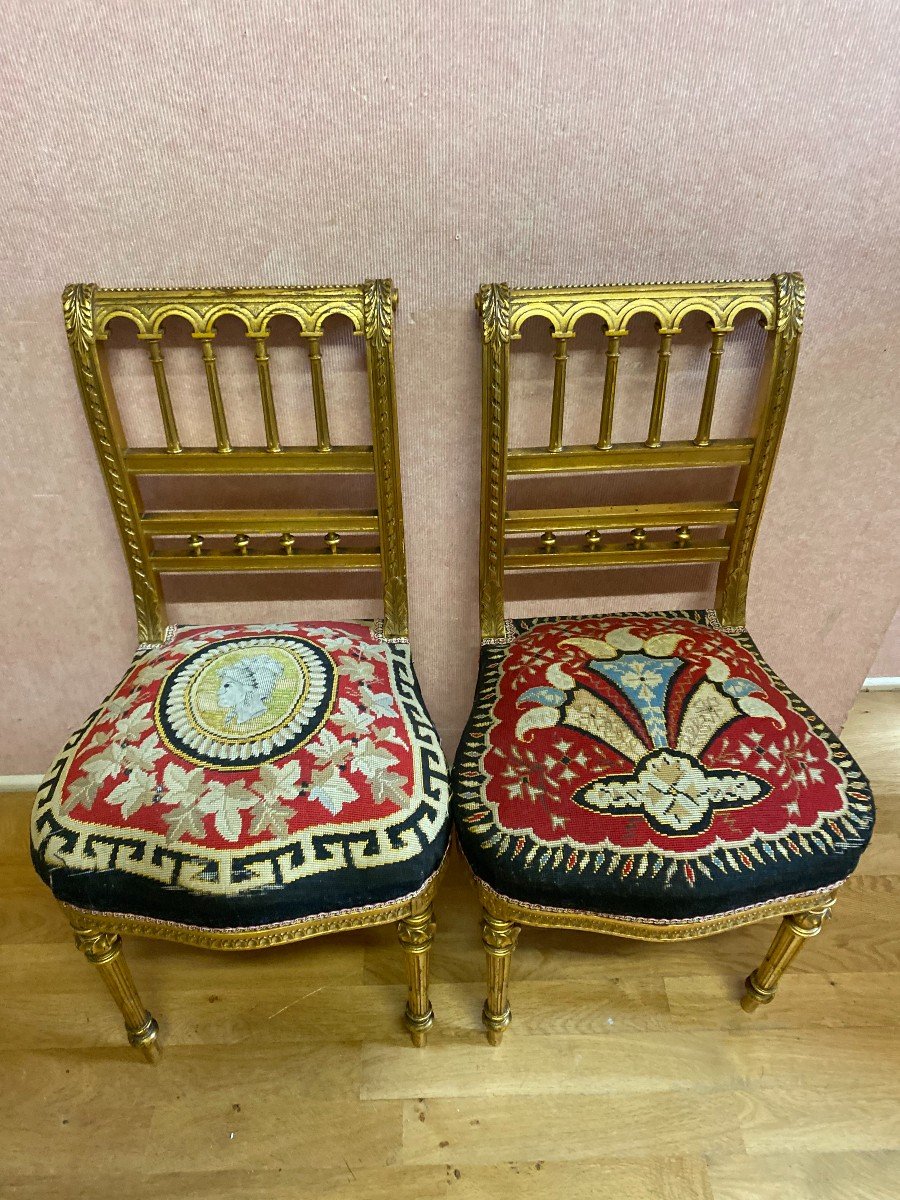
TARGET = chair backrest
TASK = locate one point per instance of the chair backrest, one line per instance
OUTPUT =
(779, 302)
(88, 311)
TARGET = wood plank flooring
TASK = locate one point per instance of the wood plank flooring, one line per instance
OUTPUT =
(630, 1070)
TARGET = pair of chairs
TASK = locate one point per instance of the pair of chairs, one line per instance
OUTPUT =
(641, 774)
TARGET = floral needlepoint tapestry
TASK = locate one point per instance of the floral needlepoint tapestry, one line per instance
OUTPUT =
(652, 766)
(247, 775)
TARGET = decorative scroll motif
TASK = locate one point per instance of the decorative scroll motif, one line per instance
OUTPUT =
(791, 300)
(378, 300)
(78, 310)
(494, 304)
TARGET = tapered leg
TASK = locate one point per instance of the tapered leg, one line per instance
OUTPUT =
(499, 938)
(104, 950)
(416, 935)
(794, 931)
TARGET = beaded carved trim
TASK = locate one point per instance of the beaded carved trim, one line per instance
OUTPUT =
(509, 633)
(712, 620)
(378, 630)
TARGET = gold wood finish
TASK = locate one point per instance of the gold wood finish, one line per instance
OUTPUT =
(103, 930)
(88, 311)
(630, 456)
(250, 460)
(104, 950)
(778, 301)
(786, 945)
(79, 302)
(499, 937)
(621, 516)
(637, 552)
(379, 302)
(503, 918)
(263, 520)
(416, 934)
(493, 303)
(731, 597)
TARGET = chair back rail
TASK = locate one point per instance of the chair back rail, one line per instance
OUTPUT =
(503, 310)
(88, 311)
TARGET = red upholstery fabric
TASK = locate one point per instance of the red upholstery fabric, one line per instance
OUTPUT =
(239, 765)
(651, 765)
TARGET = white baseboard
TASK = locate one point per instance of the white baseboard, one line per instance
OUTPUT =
(20, 783)
(882, 683)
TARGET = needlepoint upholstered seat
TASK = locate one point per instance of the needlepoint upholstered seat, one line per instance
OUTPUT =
(644, 774)
(248, 785)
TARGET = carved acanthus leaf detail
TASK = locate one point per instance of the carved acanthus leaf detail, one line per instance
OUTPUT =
(78, 311)
(378, 310)
(495, 312)
(791, 299)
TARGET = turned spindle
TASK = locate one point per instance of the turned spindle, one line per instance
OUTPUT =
(548, 542)
(332, 541)
(287, 543)
(683, 537)
(638, 538)
(592, 537)
(195, 545)
(241, 543)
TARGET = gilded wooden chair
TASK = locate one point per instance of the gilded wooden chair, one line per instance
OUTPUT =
(250, 785)
(645, 775)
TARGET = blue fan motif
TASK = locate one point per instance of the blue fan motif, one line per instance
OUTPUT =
(645, 681)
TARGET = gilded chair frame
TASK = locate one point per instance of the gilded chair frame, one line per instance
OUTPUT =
(503, 310)
(88, 311)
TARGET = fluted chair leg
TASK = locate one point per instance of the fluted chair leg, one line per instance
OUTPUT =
(499, 939)
(104, 950)
(793, 932)
(416, 935)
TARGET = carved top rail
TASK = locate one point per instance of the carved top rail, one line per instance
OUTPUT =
(617, 305)
(88, 311)
(779, 303)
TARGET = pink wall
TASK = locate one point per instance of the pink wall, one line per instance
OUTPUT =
(446, 144)
(887, 660)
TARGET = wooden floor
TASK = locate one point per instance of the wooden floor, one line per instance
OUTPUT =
(630, 1070)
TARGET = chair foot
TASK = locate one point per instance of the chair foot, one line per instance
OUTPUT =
(761, 984)
(416, 934)
(499, 938)
(494, 1025)
(418, 1026)
(104, 950)
(146, 1040)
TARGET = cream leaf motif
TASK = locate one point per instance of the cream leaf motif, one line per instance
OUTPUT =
(328, 748)
(355, 670)
(370, 760)
(351, 719)
(380, 703)
(133, 793)
(225, 803)
(331, 789)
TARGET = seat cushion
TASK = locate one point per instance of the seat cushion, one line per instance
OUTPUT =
(249, 775)
(650, 766)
